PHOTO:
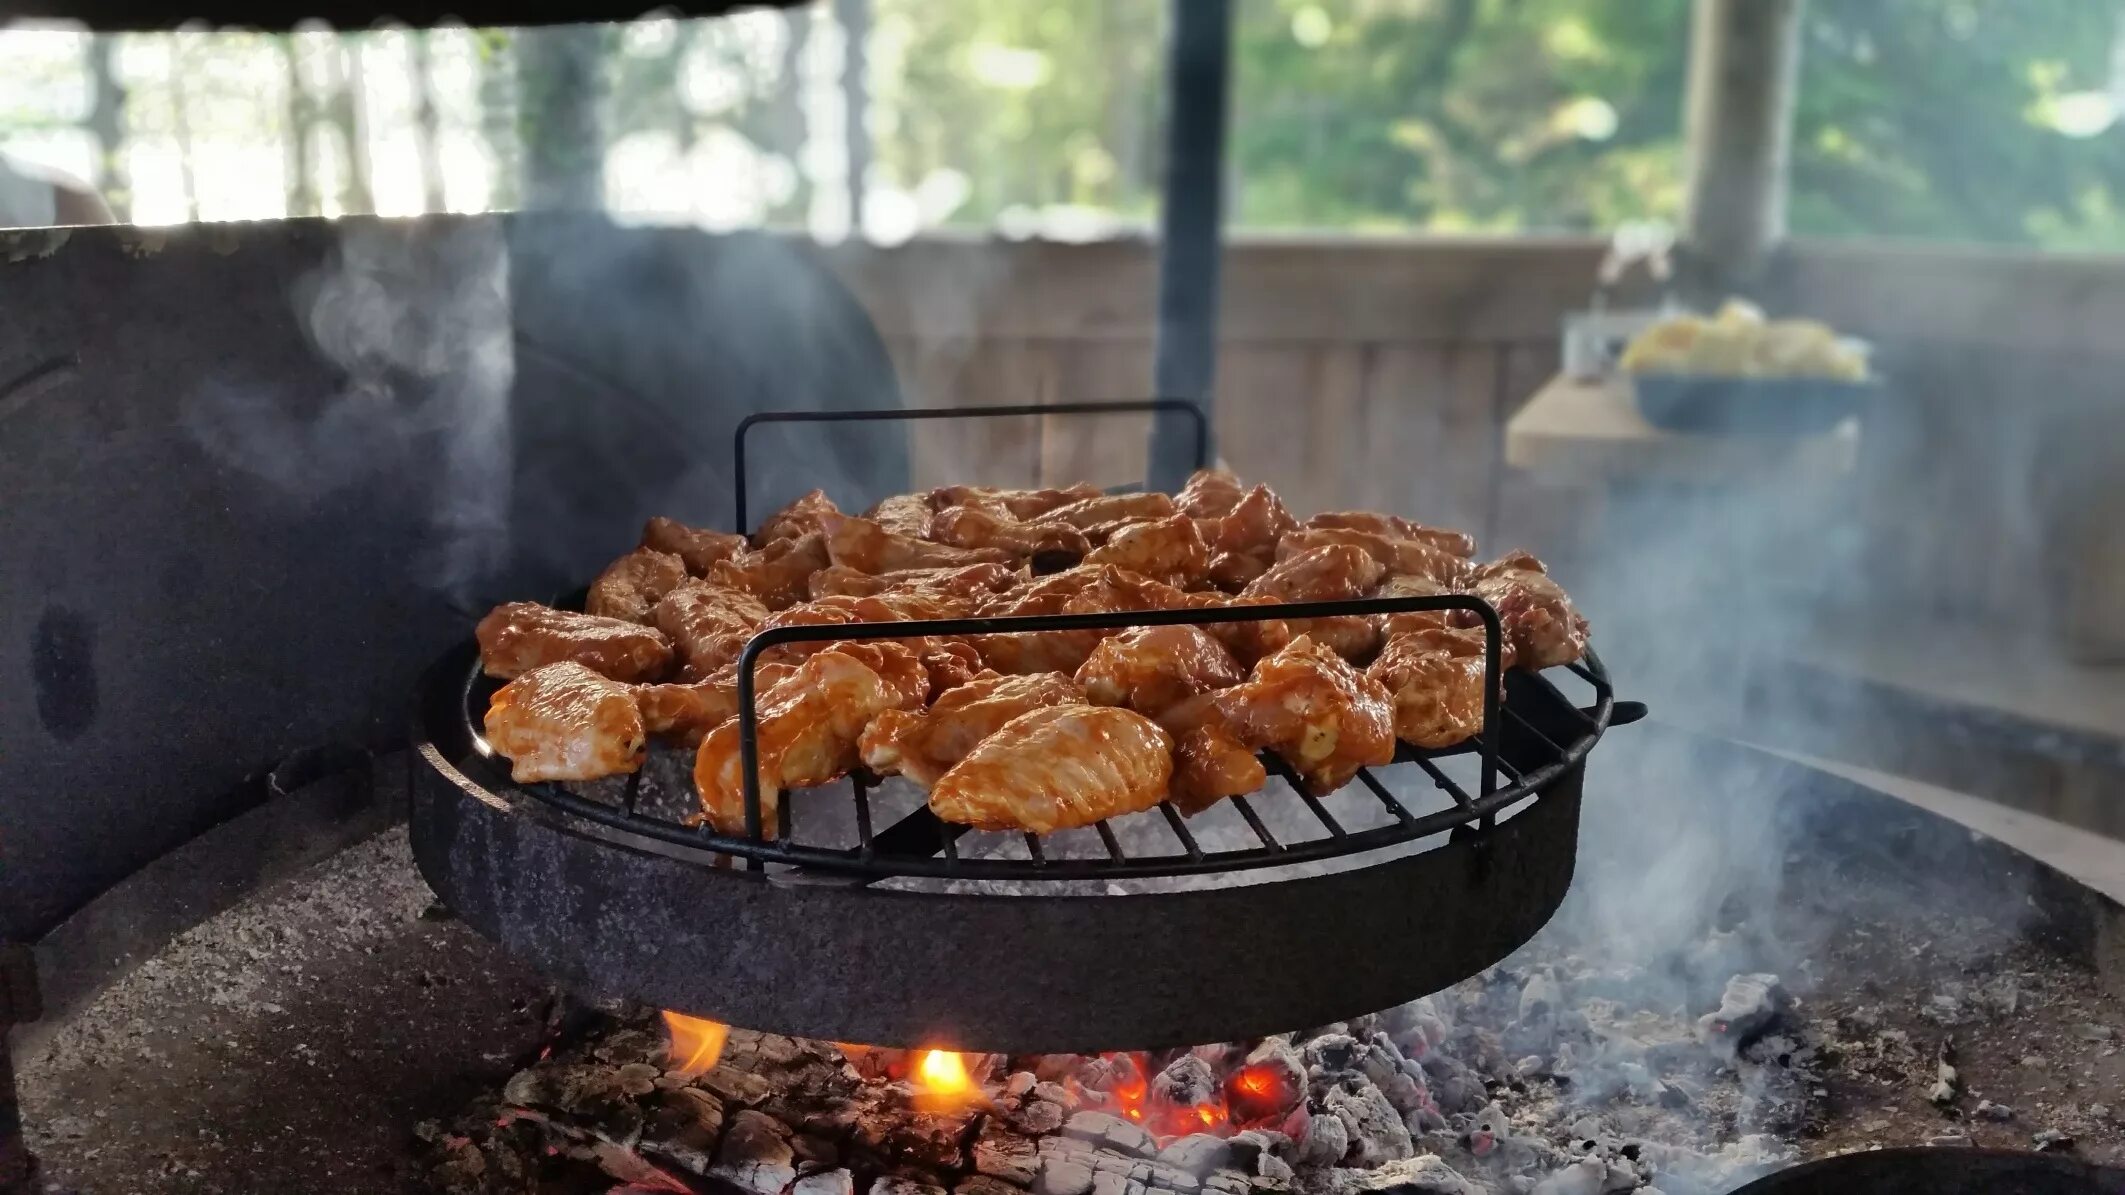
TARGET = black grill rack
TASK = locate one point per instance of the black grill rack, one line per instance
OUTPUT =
(919, 844)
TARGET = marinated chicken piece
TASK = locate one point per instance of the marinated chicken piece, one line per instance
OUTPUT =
(517, 637)
(1210, 765)
(1089, 589)
(1457, 543)
(1336, 572)
(710, 624)
(1209, 494)
(923, 744)
(903, 514)
(950, 663)
(971, 581)
(1018, 504)
(890, 606)
(800, 518)
(1169, 550)
(698, 547)
(1406, 586)
(808, 726)
(1150, 669)
(1058, 768)
(1234, 571)
(1248, 640)
(1434, 677)
(978, 527)
(1111, 508)
(685, 713)
(867, 547)
(1253, 526)
(1333, 573)
(565, 722)
(631, 586)
(1539, 619)
(1325, 718)
(1407, 557)
(778, 574)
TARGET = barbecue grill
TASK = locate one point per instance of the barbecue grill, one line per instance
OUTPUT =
(1156, 936)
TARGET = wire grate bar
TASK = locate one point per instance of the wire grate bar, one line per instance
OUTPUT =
(1033, 849)
(948, 842)
(1379, 790)
(1254, 822)
(1180, 829)
(864, 846)
(633, 792)
(1446, 782)
(786, 817)
(1313, 803)
(1529, 727)
(1113, 844)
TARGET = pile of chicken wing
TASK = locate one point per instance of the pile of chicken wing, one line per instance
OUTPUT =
(1035, 731)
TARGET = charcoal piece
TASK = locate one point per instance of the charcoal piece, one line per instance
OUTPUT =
(1198, 1154)
(1327, 1141)
(756, 1155)
(1751, 1006)
(814, 1152)
(1186, 1082)
(1112, 1132)
(1055, 1093)
(1331, 1054)
(683, 1128)
(825, 1182)
(2052, 1141)
(735, 1088)
(1063, 1177)
(1019, 1084)
(1010, 1158)
(1035, 1117)
(1376, 1132)
(927, 1140)
(982, 1184)
(1426, 1175)
(894, 1185)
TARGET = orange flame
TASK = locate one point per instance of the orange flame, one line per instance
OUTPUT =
(695, 1044)
(942, 1081)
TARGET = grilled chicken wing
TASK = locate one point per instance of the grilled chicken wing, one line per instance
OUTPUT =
(1088, 589)
(565, 722)
(1406, 586)
(808, 727)
(710, 623)
(1109, 509)
(1253, 525)
(969, 581)
(798, 519)
(1457, 543)
(517, 637)
(1247, 640)
(698, 547)
(1325, 718)
(1018, 504)
(867, 547)
(1434, 677)
(686, 713)
(903, 514)
(1150, 669)
(1406, 557)
(1209, 494)
(1058, 768)
(1336, 572)
(923, 744)
(979, 527)
(631, 586)
(1168, 549)
(1539, 619)
(1210, 765)
(778, 574)
(1234, 571)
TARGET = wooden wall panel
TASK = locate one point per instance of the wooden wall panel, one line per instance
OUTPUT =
(1105, 449)
(972, 374)
(1434, 411)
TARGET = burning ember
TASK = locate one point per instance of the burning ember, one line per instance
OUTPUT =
(941, 1080)
(696, 1044)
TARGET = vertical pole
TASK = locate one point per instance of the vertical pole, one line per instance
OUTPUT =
(1738, 122)
(561, 87)
(854, 17)
(1191, 225)
(19, 1005)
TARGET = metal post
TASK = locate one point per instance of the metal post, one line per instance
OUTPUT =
(1191, 226)
(1744, 68)
(854, 16)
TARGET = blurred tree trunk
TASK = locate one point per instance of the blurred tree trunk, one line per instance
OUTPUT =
(348, 114)
(498, 118)
(786, 123)
(427, 124)
(107, 125)
(1738, 121)
(854, 17)
(301, 114)
(181, 127)
(560, 85)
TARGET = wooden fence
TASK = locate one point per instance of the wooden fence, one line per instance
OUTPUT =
(1382, 372)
